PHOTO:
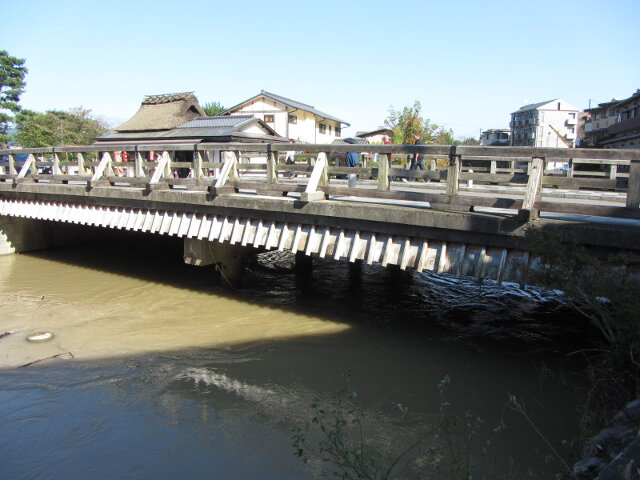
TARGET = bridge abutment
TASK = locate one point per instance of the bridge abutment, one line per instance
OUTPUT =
(21, 235)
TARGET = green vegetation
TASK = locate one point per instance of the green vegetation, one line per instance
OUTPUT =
(605, 290)
(339, 440)
(408, 122)
(12, 73)
(213, 108)
(75, 127)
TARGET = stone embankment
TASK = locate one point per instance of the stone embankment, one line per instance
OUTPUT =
(614, 454)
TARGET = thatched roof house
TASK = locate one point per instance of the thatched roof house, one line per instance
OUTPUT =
(178, 118)
(163, 112)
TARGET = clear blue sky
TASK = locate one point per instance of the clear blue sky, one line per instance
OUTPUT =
(470, 63)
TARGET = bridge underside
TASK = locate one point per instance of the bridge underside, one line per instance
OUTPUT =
(225, 239)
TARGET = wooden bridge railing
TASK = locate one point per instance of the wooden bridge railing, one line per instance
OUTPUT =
(317, 173)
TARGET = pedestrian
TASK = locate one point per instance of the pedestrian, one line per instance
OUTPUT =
(417, 161)
(290, 159)
(352, 160)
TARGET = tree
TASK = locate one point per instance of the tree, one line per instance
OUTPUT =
(12, 72)
(467, 141)
(75, 127)
(407, 123)
(213, 108)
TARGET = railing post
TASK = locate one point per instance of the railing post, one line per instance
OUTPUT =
(139, 160)
(453, 171)
(80, 158)
(272, 173)
(570, 169)
(12, 164)
(170, 157)
(633, 191)
(217, 158)
(197, 163)
(493, 167)
(533, 193)
(613, 171)
(383, 171)
(55, 163)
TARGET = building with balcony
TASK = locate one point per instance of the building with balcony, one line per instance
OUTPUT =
(597, 123)
(496, 137)
(624, 132)
(551, 124)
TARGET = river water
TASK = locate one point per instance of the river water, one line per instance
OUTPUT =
(156, 371)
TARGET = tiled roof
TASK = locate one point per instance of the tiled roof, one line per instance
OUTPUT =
(222, 121)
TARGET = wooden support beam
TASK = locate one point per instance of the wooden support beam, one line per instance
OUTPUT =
(80, 159)
(229, 171)
(533, 192)
(161, 169)
(319, 177)
(12, 164)
(103, 169)
(272, 173)
(55, 164)
(453, 172)
(139, 161)
(197, 164)
(383, 172)
(30, 162)
(633, 194)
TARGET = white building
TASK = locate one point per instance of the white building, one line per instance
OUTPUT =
(496, 137)
(291, 119)
(551, 124)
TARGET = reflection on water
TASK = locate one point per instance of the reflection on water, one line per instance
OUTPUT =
(174, 376)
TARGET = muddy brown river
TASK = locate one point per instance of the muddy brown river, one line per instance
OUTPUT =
(155, 371)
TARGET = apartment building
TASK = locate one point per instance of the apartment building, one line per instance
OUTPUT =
(551, 124)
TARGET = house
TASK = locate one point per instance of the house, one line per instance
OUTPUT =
(597, 123)
(290, 118)
(178, 118)
(624, 131)
(496, 137)
(159, 113)
(376, 136)
(551, 124)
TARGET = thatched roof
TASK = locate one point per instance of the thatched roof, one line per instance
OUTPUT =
(163, 112)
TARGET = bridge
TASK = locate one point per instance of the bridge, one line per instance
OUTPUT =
(466, 214)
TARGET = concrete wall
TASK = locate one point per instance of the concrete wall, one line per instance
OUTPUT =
(20, 235)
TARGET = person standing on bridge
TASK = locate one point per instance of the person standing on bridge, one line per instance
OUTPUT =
(352, 160)
(417, 161)
(290, 159)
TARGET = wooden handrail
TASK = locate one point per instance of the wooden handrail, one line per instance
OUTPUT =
(255, 166)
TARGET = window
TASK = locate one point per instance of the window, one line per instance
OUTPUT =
(338, 131)
(293, 119)
(558, 105)
(322, 128)
(268, 118)
(572, 115)
(329, 130)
